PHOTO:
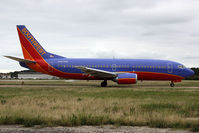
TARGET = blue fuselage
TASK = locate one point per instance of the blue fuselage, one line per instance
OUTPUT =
(122, 65)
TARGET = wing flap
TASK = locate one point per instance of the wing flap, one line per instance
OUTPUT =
(20, 59)
(97, 72)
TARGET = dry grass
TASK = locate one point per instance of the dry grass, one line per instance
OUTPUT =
(52, 103)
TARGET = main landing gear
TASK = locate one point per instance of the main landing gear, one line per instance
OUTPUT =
(104, 83)
(172, 84)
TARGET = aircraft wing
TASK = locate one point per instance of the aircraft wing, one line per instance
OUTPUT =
(20, 60)
(97, 72)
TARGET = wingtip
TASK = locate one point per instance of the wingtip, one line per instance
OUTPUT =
(5, 56)
(10, 57)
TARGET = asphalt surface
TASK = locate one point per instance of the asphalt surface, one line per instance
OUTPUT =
(86, 129)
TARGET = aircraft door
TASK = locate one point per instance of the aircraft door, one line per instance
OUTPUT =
(170, 68)
(114, 67)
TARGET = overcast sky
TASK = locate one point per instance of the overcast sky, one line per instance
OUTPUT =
(156, 29)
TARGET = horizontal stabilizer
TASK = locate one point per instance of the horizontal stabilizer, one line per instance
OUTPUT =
(20, 60)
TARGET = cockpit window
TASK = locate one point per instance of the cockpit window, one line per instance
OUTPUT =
(181, 66)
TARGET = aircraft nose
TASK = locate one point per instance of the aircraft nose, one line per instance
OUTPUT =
(190, 72)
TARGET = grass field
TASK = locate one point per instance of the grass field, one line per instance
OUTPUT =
(73, 103)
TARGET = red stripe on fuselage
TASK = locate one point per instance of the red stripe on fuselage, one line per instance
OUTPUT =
(157, 76)
(127, 81)
(34, 66)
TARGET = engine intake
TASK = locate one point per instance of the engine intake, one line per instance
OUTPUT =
(126, 78)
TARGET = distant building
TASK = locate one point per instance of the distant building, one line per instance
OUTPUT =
(35, 75)
(26, 74)
(5, 75)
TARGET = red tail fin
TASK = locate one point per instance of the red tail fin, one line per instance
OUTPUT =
(30, 46)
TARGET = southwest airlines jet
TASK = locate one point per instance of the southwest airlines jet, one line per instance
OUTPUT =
(122, 71)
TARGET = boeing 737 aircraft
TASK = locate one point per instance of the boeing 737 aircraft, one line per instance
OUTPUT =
(122, 71)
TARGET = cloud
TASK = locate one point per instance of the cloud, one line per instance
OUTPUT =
(104, 28)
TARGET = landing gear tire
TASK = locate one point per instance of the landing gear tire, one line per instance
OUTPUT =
(104, 83)
(172, 84)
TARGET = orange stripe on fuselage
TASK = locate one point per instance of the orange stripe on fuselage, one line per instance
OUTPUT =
(35, 66)
(26, 55)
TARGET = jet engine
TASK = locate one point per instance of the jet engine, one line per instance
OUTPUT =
(126, 78)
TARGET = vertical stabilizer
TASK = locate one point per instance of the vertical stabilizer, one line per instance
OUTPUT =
(30, 46)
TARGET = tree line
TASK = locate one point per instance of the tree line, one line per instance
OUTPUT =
(195, 76)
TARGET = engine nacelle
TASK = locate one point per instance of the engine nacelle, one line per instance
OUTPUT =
(126, 78)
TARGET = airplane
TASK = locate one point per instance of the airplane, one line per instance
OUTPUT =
(122, 71)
